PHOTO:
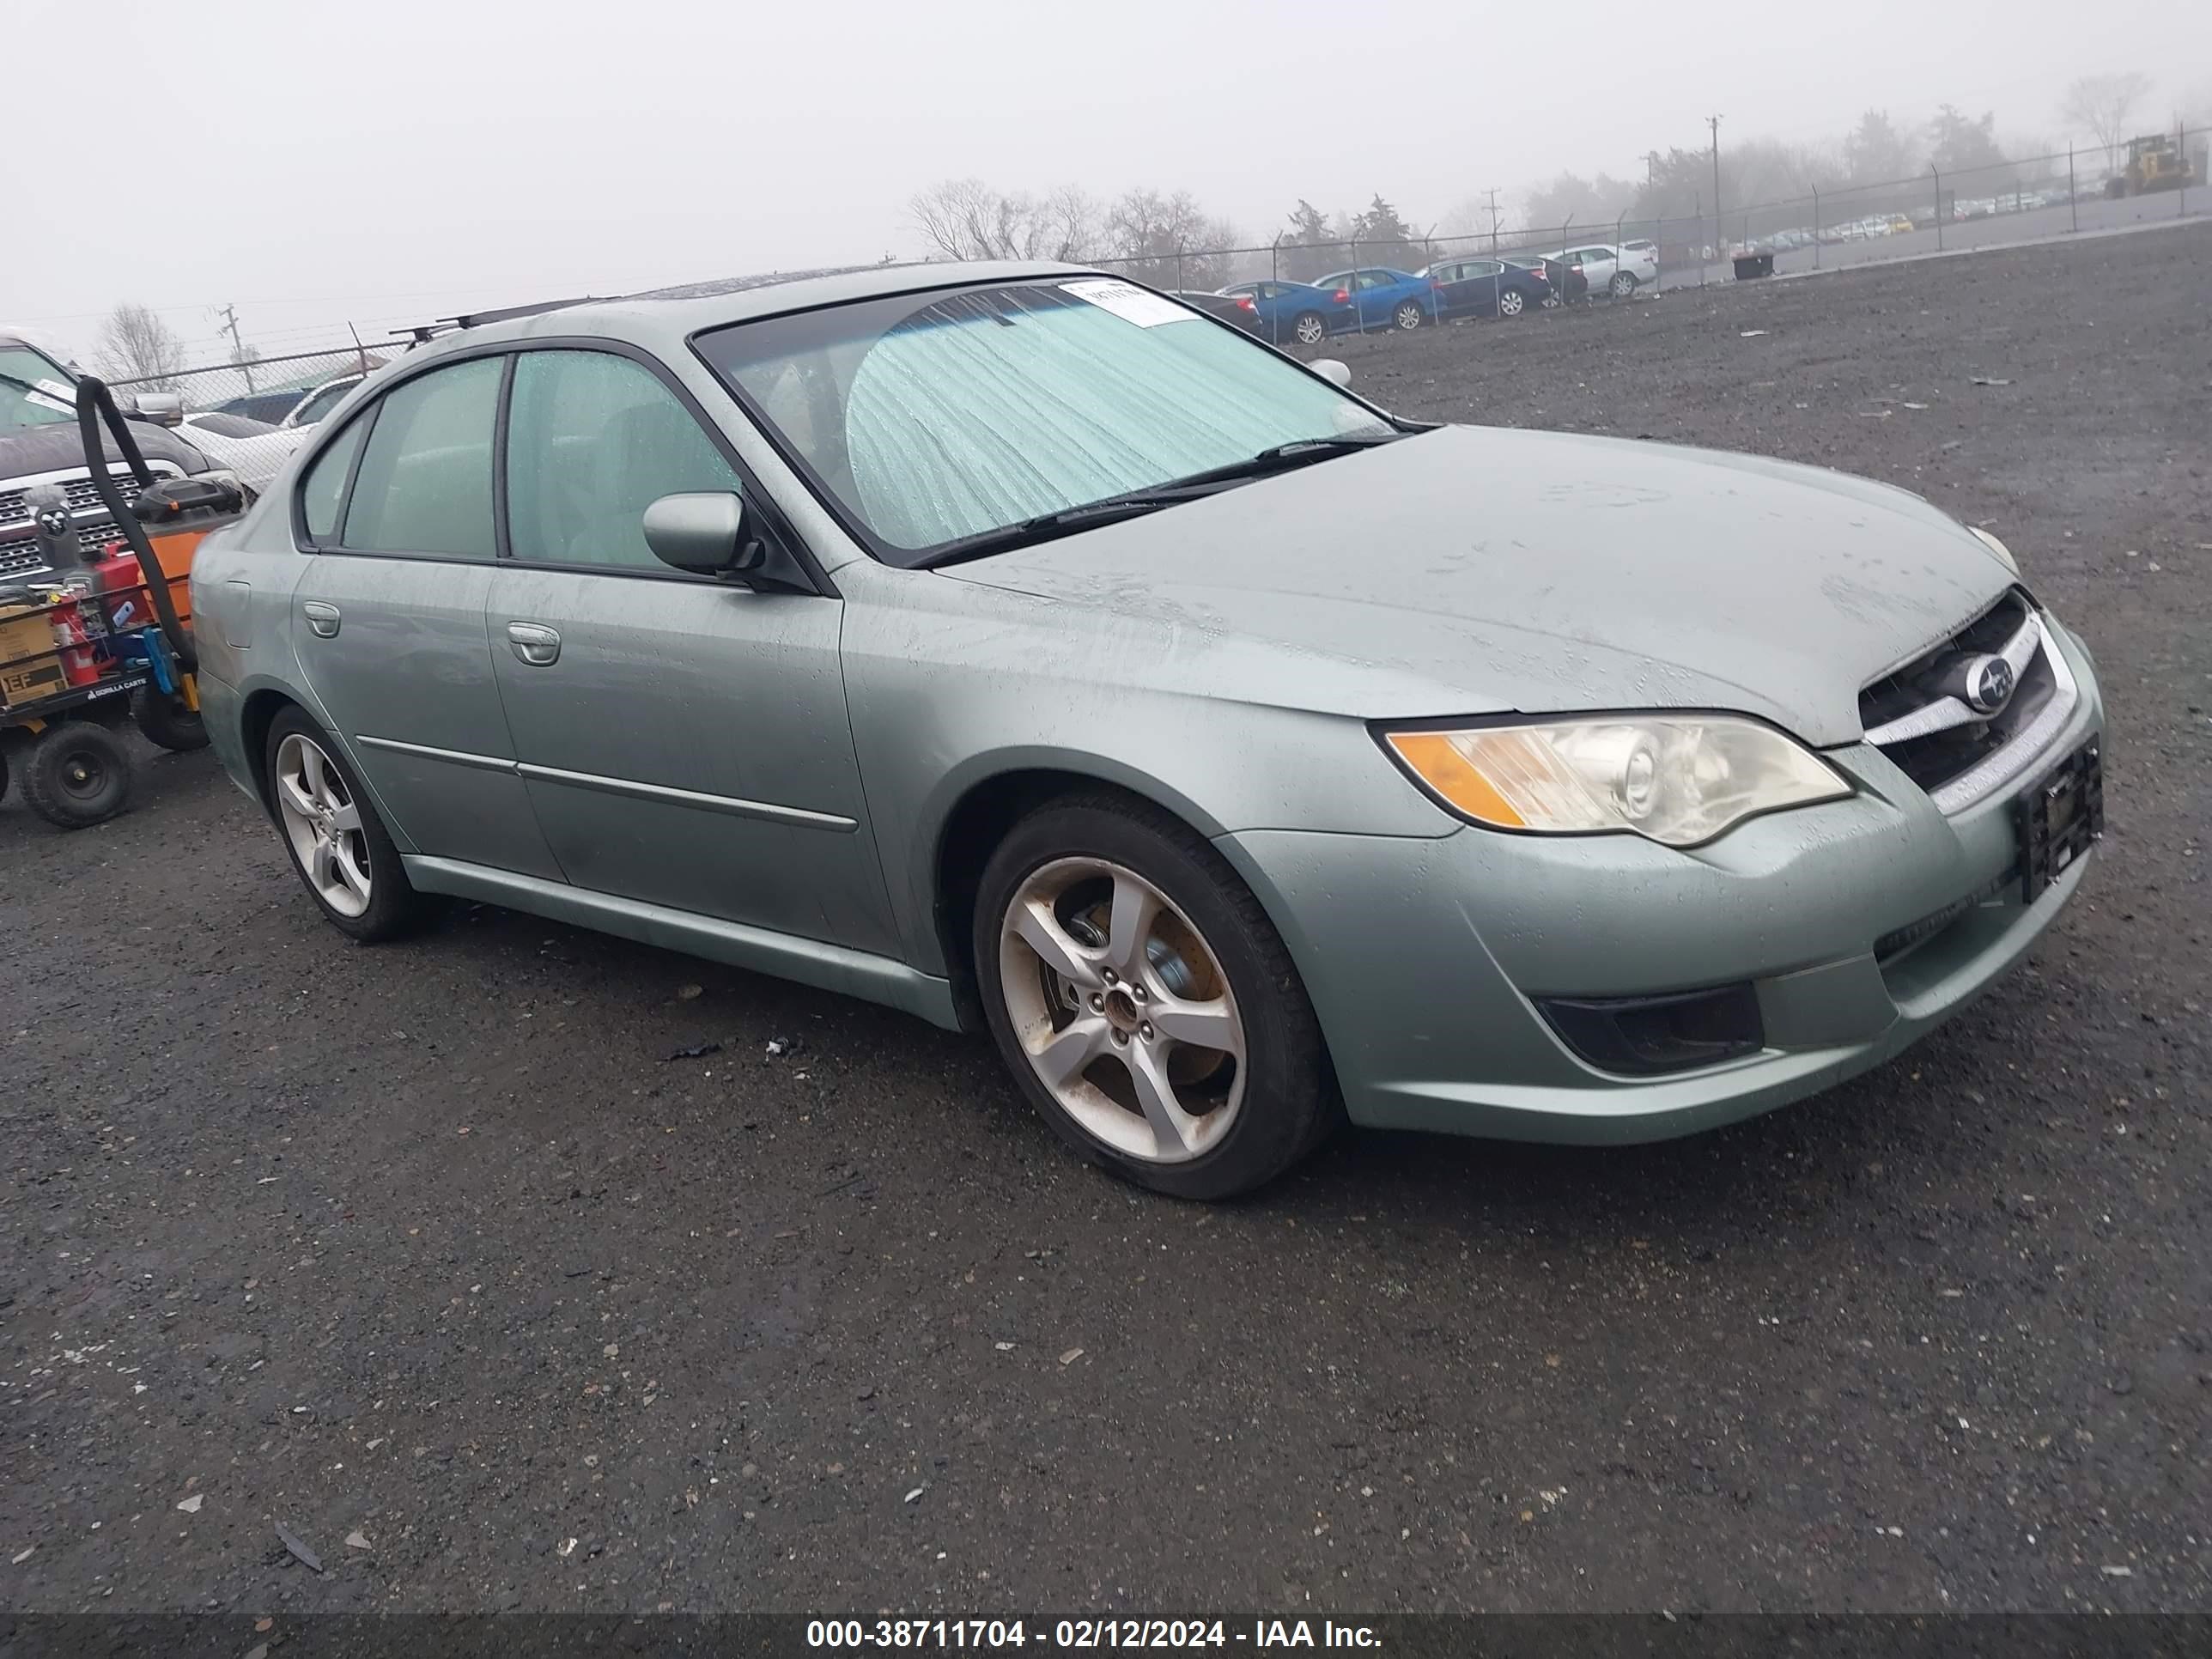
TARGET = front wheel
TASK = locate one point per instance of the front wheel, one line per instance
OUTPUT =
(1407, 316)
(1622, 284)
(1309, 329)
(79, 775)
(1145, 1004)
(339, 845)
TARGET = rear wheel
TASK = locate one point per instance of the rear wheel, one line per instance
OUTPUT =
(1512, 302)
(79, 775)
(1145, 1004)
(339, 845)
(166, 720)
(1408, 316)
(1309, 328)
(1622, 284)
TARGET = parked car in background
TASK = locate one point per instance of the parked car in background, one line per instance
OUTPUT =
(1298, 314)
(321, 401)
(270, 407)
(1618, 271)
(1234, 309)
(1386, 298)
(255, 450)
(1484, 288)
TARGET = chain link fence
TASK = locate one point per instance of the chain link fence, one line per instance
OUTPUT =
(249, 416)
(2022, 200)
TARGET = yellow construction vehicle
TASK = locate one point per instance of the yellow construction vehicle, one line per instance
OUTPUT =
(2154, 162)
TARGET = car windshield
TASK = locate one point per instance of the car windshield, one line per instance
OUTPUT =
(933, 419)
(34, 392)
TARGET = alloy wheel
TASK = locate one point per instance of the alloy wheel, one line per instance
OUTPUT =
(1624, 284)
(1122, 1010)
(1409, 316)
(1310, 329)
(322, 824)
(1509, 303)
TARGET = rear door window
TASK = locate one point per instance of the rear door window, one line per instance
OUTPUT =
(322, 492)
(425, 481)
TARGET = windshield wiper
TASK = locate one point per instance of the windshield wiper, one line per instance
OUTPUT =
(1279, 457)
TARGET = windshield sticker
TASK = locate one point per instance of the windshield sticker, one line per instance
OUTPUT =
(43, 400)
(1129, 302)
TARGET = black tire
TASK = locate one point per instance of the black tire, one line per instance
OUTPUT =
(3, 774)
(79, 775)
(166, 722)
(1309, 328)
(1512, 302)
(395, 909)
(1407, 317)
(1291, 1100)
(1623, 285)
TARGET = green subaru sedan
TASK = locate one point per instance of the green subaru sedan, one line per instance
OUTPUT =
(1014, 645)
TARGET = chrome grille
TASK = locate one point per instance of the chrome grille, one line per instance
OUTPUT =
(1920, 716)
(19, 547)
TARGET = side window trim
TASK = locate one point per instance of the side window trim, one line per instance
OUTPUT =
(502, 551)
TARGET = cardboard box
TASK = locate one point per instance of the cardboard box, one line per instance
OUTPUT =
(25, 631)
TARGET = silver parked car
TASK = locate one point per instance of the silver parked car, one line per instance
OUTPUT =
(1013, 645)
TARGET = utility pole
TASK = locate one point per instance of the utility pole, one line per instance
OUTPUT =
(1493, 218)
(229, 315)
(1720, 236)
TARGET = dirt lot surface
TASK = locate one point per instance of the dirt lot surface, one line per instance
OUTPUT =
(430, 1255)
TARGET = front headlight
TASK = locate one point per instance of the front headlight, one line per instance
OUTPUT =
(1675, 779)
(1996, 547)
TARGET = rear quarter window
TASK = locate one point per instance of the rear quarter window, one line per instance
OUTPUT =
(322, 492)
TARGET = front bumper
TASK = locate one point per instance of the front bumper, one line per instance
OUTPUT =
(1424, 957)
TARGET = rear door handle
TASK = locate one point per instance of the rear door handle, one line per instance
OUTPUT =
(323, 619)
(534, 643)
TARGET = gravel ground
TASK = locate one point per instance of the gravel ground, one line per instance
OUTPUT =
(429, 1254)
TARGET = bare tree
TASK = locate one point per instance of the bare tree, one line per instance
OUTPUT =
(136, 344)
(966, 219)
(1169, 240)
(2104, 104)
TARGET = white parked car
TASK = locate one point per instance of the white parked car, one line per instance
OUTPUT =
(1618, 271)
(254, 450)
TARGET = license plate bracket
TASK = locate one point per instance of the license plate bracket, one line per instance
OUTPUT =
(2060, 817)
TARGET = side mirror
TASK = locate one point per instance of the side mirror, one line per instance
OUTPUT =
(163, 407)
(702, 531)
(1334, 370)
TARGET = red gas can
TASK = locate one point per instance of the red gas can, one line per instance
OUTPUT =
(123, 597)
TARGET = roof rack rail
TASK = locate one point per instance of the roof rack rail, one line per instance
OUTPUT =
(424, 333)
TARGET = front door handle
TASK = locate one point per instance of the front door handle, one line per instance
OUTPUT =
(534, 643)
(323, 619)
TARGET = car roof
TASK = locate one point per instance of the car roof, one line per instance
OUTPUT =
(671, 315)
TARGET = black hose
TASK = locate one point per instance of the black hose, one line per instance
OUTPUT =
(95, 402)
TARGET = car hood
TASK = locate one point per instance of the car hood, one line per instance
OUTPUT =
(25, 450)
(1486, 570)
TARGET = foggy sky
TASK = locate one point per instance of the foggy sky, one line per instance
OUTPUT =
(405, 159)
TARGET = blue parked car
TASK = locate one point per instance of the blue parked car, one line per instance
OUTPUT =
(1297, 313)
(1485, 288)
(1385, 298)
